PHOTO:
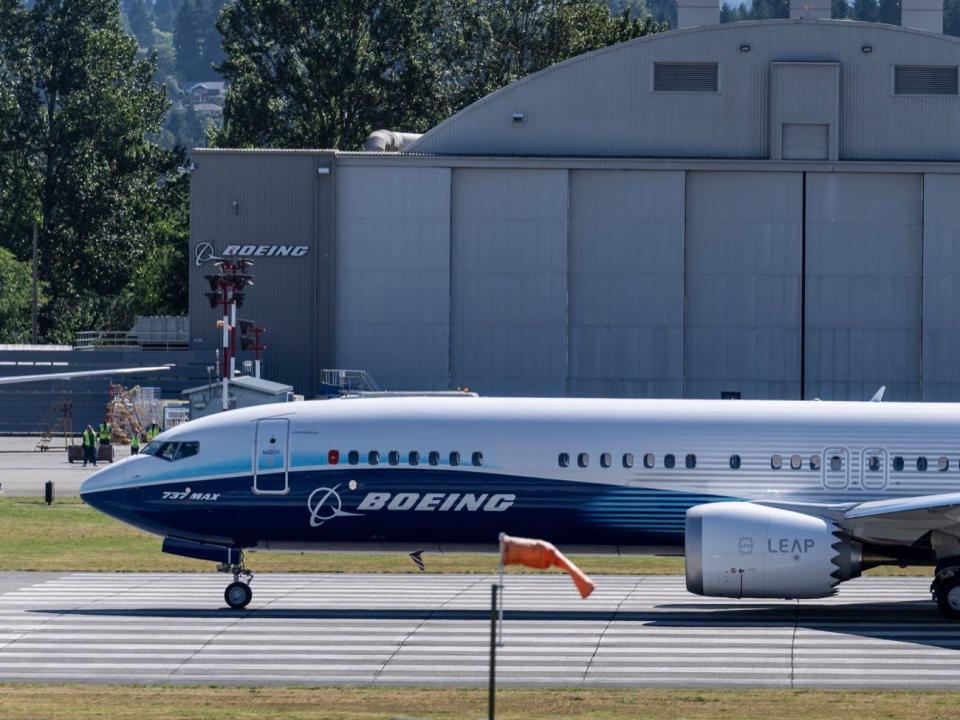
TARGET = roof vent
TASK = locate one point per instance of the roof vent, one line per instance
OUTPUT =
(685, 77)
(925, 80)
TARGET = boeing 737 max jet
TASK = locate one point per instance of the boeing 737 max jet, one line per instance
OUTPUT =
(782, 499)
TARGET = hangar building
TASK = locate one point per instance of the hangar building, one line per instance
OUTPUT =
(769, 209)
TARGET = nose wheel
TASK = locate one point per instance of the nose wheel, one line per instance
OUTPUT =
(238, 595)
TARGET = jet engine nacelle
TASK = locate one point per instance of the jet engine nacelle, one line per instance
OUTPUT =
(739, 549)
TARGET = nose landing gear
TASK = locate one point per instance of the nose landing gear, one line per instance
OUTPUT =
(238, 593)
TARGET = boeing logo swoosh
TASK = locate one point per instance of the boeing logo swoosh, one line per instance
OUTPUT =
(325, 504)
(203, 253)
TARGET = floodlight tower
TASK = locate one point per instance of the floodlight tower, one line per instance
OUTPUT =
(252, 343)
(227, 290)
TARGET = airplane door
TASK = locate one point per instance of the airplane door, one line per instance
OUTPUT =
(271, 456)
(873, 469)
(836, 468)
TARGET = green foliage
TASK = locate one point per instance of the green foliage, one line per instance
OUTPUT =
(15, 299)
(188, 41)
(77, 160)
(164, 14)
(951, 17)
(866, 10)
(324, 73)
(140, 20)
(889, 12)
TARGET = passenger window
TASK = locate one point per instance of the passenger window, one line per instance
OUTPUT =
(873, 463)
(605, 460)
(353, 457)
(814, 462)
(434, 457)
(187, 449)
(478, 459)
(943, 464)
(373, 457)
(796, 462)
(628, 460)
(921, 464)
(454, 458)
(583, 460)
(413, 458)
(836, 463)
(898, 464)
(669, 461)
(563, 459)
(649, 460)
(776, 462)
(690, 461)
(734, 462)
(394, 457)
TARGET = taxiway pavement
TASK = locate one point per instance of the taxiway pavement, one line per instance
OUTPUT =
(23, 470)
(434, 629)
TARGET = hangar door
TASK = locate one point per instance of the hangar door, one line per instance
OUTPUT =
(743, 268)
(864, 235)
(508, 281)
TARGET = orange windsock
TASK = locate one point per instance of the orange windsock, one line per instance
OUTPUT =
(541, 554)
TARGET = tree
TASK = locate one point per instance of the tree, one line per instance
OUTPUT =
(16, 298)
(663, 11)
(212, 51)
(85, 102)
(840, 9)
(141, 24)
(165, 14)
(188, 41)
(865, 10)
(951, 17)
(889, 12)
(324, 73)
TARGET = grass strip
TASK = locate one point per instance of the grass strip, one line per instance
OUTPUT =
(70, 536)
(91, 702)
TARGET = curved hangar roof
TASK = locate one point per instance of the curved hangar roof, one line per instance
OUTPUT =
(778, 89)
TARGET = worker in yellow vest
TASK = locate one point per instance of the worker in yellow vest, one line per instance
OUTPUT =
(135, 443)
(106, 432)
(89, 446)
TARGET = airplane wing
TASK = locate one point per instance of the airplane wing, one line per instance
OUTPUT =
(14, 379)
(896, 521)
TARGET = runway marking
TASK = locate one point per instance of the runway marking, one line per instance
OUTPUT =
(401, 629)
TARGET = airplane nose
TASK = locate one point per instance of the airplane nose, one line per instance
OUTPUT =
(110, 478)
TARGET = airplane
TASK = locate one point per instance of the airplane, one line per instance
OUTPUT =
(765, 498)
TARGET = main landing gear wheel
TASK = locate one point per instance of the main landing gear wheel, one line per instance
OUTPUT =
(238, 595)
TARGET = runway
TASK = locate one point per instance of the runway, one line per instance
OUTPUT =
(434, 629)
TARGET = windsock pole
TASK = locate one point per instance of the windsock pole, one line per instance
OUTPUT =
(492, 692)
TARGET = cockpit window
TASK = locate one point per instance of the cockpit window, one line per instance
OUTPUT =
(187, 449)
(171, 451)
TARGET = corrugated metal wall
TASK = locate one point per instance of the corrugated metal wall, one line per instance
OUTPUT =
(266, 199)
(941, 287)
(571, 279)
(864, 237)
(604, 104)
(626, 284)
(508, 281)
(392, 304)
(743, 295)
(27, 408)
